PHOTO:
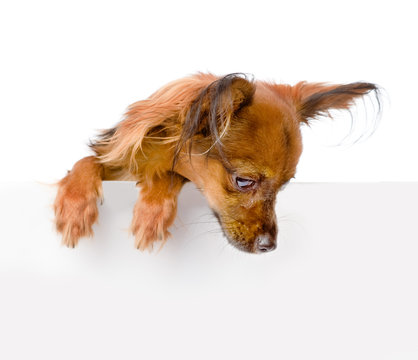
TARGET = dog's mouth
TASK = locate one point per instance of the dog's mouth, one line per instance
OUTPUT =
(235, 243)
(258, 243)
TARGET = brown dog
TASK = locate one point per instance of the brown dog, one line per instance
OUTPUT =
(237, 140)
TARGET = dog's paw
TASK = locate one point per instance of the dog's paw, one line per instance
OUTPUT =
(147, 234)
(150, 223)
(75, 214)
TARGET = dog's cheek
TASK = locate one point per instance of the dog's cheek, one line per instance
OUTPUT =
(218, 199)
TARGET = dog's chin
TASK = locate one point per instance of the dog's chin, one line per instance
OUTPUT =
(245, 247)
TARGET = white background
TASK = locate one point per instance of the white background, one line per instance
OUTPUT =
(70, 68)
(342, 283)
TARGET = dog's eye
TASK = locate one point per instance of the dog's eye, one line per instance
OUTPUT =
(244, 184)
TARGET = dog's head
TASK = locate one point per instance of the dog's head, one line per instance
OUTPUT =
(241, 142)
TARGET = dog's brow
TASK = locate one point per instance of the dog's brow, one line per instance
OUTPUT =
(246, 167)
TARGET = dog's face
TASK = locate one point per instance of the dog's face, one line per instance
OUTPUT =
(257, 154)
(260, 153)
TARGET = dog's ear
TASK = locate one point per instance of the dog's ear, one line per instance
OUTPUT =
(210, 114)
(316, 99)
(214, 106)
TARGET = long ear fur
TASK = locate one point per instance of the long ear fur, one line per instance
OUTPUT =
(162, 110)
(316, 99)
(175, 114)
(210, 113)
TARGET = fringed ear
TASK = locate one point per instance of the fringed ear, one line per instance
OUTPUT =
(209, 115)
(316, 99)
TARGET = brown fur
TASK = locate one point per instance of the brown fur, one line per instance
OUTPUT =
(211, 131)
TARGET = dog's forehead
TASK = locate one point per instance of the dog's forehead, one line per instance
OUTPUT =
(266, 136)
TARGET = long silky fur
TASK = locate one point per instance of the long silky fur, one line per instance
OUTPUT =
(175, 114)
(172, 115)
(210, 114)
(165, 109)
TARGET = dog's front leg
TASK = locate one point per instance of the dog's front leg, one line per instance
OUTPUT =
(155, 210)
(75, 205)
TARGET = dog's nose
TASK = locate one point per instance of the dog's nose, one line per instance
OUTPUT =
(265, 243)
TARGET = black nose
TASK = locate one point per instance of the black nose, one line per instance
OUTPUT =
(265, 243)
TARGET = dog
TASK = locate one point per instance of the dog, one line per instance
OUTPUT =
(238, 140)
